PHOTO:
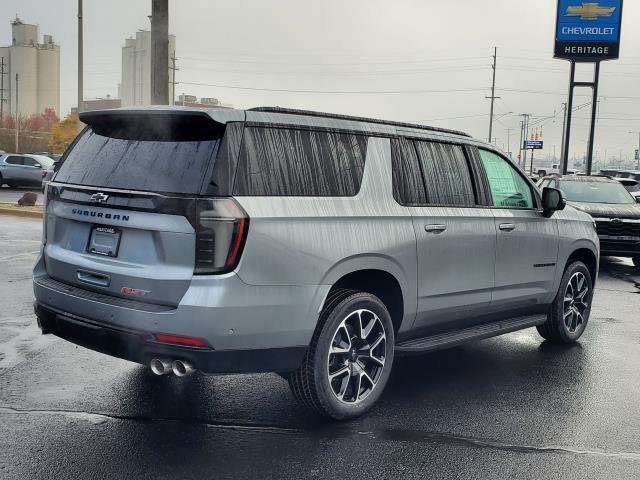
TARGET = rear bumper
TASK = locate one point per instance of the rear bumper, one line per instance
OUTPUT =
(139, 346)
(249, 328)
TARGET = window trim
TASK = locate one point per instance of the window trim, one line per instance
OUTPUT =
(535, 196)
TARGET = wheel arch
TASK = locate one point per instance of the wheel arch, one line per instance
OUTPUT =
(586, 256)
(381, 277)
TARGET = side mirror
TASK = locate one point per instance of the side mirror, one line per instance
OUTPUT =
(552, 200)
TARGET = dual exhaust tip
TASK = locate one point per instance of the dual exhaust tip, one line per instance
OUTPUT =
(164, 366)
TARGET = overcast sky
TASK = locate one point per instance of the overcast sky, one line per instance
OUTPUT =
(423, 60)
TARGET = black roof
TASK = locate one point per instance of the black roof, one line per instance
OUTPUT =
(309, 113)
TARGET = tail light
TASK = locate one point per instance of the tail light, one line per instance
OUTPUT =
(45, 211)
(221, 231)
(43, 173)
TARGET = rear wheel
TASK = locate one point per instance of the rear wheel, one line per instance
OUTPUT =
(569, 313)
(349, 359)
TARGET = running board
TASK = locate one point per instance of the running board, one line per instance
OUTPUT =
(458, 337)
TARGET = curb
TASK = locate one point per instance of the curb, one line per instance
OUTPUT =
(10, 209)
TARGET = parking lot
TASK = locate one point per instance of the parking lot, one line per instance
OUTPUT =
(511, 406)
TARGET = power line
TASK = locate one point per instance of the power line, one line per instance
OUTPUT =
(339, 92)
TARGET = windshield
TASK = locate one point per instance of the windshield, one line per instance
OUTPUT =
(595, 192)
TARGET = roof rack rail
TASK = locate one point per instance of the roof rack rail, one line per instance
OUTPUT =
(310, 113)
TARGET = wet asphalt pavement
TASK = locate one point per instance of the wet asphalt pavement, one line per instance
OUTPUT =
(508, 407)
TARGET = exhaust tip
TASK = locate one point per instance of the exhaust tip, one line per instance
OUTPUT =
(181, 368)
(160, 366)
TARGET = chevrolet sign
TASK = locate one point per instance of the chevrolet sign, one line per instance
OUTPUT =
(588, 31)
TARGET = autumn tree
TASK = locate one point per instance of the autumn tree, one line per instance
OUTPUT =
(63, 133)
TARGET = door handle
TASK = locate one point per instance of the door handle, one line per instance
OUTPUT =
(435, 228)
(507, 227)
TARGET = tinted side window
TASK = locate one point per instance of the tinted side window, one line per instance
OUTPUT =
(31, 162)
(408, 186)
(508, 188)
(446, 174)
(290, 162)
(14, 160)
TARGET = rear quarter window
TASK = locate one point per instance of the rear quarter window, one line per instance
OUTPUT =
(292, 162)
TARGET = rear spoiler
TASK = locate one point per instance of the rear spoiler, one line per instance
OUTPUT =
(160, 124)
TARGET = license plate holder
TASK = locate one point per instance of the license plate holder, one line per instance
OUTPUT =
(104, 241)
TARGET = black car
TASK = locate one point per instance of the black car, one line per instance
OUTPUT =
(615, 211)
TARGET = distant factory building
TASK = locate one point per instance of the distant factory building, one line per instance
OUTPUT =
(38, 68)
(135, 86)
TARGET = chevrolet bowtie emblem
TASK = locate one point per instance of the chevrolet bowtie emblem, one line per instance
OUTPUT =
(590, 11)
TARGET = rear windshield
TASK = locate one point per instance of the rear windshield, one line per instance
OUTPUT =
(151, 163)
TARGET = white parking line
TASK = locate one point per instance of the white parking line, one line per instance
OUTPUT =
(10, 257)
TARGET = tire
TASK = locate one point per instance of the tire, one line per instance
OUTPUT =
(636, 261)
(569, 312)
(358, 358)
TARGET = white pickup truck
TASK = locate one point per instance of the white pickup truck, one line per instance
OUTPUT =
(555, 168)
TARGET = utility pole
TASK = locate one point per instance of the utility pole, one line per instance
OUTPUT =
(17, 116)
(521, 141)
(493, 91)
(523, 138)
(173, 82)
(160, 52)
(2, 74)
(509, 142)
(80, 59)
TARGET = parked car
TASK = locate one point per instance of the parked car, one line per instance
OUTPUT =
(313, 245)
(18, 170)
(53, 156)
(615, 211)
(632, 174)
(609, 172)
(632, 186)
(555, 168)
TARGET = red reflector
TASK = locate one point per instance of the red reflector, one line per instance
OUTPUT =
(166, 338)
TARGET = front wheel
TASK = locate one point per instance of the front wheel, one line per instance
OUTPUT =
(569, 313)
(349, 359)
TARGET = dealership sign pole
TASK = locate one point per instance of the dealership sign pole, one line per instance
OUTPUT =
(586, 32)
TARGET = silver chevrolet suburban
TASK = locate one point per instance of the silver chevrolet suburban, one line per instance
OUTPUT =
(313, 245)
